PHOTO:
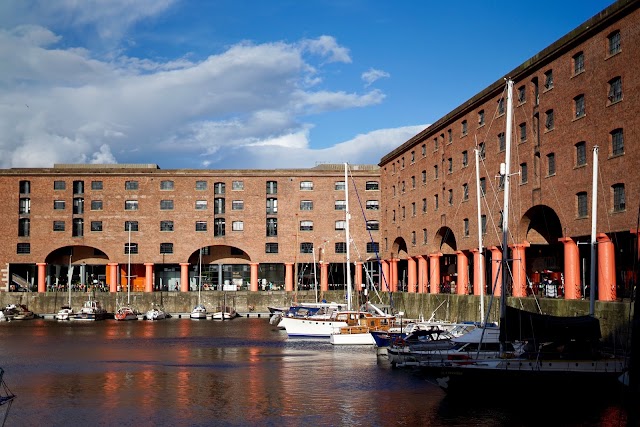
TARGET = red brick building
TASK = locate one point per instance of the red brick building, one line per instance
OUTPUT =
(578, 93)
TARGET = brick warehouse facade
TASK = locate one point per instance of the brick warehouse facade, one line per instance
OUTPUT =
(577, 93)
(257, 227)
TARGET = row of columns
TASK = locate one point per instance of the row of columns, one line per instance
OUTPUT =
(427, 280)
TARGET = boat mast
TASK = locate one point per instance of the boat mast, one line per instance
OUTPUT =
(315, 277)
(69, 279)
(199, 273)
(594, 220)
(480, 267)
(505, 170)
(346, 228)
(129, 267)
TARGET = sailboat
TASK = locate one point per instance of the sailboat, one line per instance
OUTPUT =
(558, 353)
(199, 311)
(156, 312)
(127, 312)
(66, 312)
(224, 311)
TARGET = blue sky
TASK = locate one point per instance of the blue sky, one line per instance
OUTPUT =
(250, 84)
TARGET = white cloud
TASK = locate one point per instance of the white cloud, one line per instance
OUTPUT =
(371, 75)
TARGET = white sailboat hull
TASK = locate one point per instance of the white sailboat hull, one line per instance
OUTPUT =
(310, 327)
(360, 338)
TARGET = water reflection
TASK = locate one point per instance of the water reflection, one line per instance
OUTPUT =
(242, 372)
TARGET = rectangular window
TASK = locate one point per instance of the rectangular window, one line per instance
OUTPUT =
(201, 205)
(372, 186)
(130, 248)
(617, 142)
(522, 95)
(523, 132)
(548, 123)
(578, 63)
(58, 226)
(424, 205)
(237, 205)
(25, 205)
(306, 225)
(237, 226)
(131, 185)
(272, 206)
(201, 225)
(24, 227)
(341, 247)
(373, 225)
(413, 182)
(166, 185)
(435, 202)
(481, 151)
(306, 247)
(272, 227)
(23, 248)
(306, 205)
(96, 205)
(425, 236)
(218, 206)
(619, 203)
(424, 150)
(306, 185)
(78, 205)
(78, 227)
(551, 163)
(480, 117)
(579, 106)
(272, 187)
(483, 186)
(450, 197)
(166, 205)
(96, 185)
(413, 208)
(25, 187)
(581, 154)
(373, 247)
(450, 135)
(219, 188)
(58, 205)
(524, 173)
(464, 127)
(340, 205)
(341, 225)
(166, 248)
(501, 106)
(615, 90)
(501, 142)
(237, 185)
(339, 186)
(372, 205)
(166, 225)
(465, 191)
(96, 225)
(465, 226)
(413, 238)
(424, 177)
(582, 204)
(450, 165)
(271, 248)
(131, 225)
(219, 227)
(548, 80)
(614, 42)
(201, 185)
(483, 224)
(435, 172)
(413, 156)
(59, 185)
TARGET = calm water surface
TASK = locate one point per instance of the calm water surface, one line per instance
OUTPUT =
(238, 373)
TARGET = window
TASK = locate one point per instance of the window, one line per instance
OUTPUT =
(201, 225)
(59, 185)
(78, 227)
(551, 164)
(450, 197)
(501, 106)
(219, 227)
(341, 225)
(166, 205)
(450, 135)
(501, 143)
(306, 185)
(58, 226)
(272, 206)
(402, 161)
(483, 186)
(166, 185)
(614, 42)
(25, 187)
(465, 191)
(237, 205)
(413, 156)
(25, 205)
(201, 185)
(166, 225)
(424, 176)
(306, 225)
(404, 213)
(272, 187)
(218, 206)
(306, 247)
(523, 132)
(96, 185)
(237, 226)
(403, 187)
(373, 247)
(340, 205)
(615, 90)
(524, 173)
(424, 205)
(548, 80)
(96, 225)
(465, 227)
(133, 225)
(23, 248)
(413, 238)
(450, 165)
(24, 227)
(548, 123)
(425, 237)
(372, 205)
(131, 185)
(579, 106)
(201, 205)
(618, 197)
(465, 159)
(272, 227)
(219, 188)
(413, 208)
(481, 151)
(435, 172)
(58, 205)
(522, 95)
(582, 204)
(617, 142)
(413, 182)
(581, 153)
(424, 150)
(341, 247)
(306, 205)
(166, 248)
(372, 185)
(393, 216)
(483, 223)
(578, 63)
(393, 190)
(78, 205)
(96, 205)
(271, 248)
(501, 181)
(130, 248)
(339, 186)
(464, 127)
(237, 185)
(480, 117)
(436, 202)
(373, 225)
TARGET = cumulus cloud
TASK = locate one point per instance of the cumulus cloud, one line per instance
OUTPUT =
(371, 75)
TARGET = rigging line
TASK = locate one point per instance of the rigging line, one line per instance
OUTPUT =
(605, 201)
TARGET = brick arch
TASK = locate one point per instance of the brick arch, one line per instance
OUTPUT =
(445, 241)
(221, 254)
(399, 248)
(540, 225)
(79, 254)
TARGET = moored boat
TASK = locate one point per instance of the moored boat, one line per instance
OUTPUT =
(224, 312)
(156, 313)
(65, 313)
(126, 313)
(91, 311)
(18, 312)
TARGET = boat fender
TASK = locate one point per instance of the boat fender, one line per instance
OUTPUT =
(399, 342)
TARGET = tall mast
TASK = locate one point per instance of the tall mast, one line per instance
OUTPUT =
(69, 279)
(594, 220)
(505, 172)
(129, 267)
(346, 228)
(199, 273)
(480, 248)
